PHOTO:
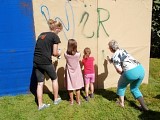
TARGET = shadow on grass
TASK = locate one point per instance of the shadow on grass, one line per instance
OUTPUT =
(134, 105)
(109, 95)
(62, 93)
(158, 97)
(150, 115)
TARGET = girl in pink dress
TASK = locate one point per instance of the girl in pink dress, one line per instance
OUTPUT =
(89, 74)
(73, 73)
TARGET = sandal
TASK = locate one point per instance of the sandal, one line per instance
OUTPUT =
(78, 102)
(119, 104)
(71, 102)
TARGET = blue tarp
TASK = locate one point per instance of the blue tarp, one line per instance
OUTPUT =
(17, 41)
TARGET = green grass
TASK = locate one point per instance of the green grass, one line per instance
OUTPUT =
(102, 107)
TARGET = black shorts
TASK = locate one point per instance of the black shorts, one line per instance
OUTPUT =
(40, 71)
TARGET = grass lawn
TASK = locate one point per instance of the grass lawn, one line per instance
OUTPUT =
(102, 107)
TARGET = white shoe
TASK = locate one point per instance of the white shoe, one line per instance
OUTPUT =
(43, 106)
(57, 101)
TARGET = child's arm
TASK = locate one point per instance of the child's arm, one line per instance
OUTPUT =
(81, 64)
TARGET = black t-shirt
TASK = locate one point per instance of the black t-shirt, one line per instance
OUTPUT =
(44, 47)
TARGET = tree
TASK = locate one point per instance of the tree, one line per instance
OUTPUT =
(155, 30)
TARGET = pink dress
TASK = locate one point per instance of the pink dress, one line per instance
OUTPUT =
(73, 73)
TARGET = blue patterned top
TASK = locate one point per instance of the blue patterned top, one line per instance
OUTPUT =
(123, 60)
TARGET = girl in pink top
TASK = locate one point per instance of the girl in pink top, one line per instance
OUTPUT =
(89, 73)
(73, 73)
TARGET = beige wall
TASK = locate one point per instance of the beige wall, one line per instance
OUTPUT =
(93, 23)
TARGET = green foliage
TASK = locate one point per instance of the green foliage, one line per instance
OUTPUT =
(155, 34)
(102, 107)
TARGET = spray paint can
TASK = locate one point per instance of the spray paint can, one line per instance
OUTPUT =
(59, 52)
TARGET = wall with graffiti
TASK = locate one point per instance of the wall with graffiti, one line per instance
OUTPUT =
(91, 22)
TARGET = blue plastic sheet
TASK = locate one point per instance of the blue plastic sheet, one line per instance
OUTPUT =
(17, 41)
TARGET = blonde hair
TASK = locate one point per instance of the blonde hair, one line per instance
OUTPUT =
(72, 47)
(54, 24)
(87, 52)
(113, 45)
